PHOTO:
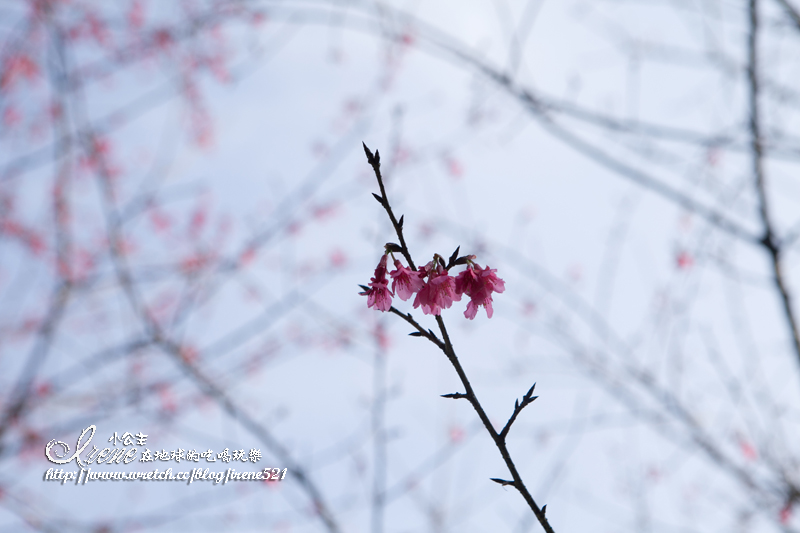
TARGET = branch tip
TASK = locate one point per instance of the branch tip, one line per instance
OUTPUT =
(453, 258)
(367, 151)
(454, 395)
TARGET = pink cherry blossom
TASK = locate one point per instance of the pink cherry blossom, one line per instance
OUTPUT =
(479, 284)
(378, 295)
(380, 270)
(438, 293)
(466, 281)
(405, 281)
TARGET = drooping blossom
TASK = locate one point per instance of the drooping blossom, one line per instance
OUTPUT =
(467, 281)
(379, 296)
(438, 293)
(479, 284)
(405, 281)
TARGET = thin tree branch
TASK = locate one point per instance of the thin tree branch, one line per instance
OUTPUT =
(769, 240)
(447, 347)
(375, 162)
(421, 332)
(518, 407)
(496, 437)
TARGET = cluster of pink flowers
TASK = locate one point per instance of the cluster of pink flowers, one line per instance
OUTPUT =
(435, 288)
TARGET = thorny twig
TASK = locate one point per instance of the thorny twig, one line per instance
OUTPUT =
(446, 345)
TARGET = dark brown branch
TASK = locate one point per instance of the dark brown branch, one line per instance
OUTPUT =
(447, 348)
(375, 162)
(420, 330)
(498, 440)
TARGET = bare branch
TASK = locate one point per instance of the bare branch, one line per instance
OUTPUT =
(518, 407)
(769, 240)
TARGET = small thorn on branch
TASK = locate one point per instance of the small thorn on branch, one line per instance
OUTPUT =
(370, 157)
(503, 482)
(518, 407)
(455, 395)
(417, 334)
(530, 391)
(379, 198)
(400, 222)
(544, 509)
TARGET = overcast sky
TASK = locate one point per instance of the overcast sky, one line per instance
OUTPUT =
(626, 307)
